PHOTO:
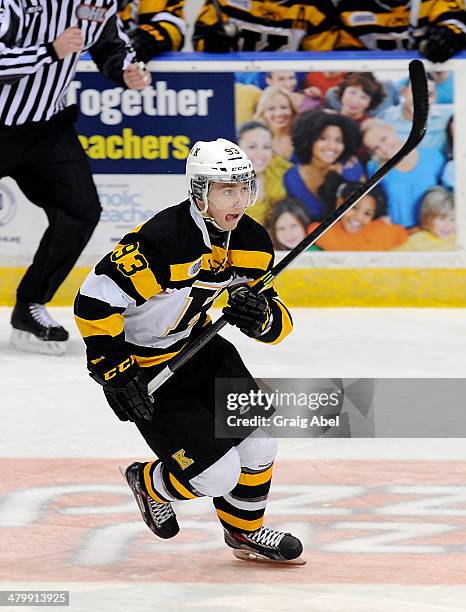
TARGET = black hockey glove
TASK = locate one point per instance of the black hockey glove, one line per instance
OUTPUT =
(218, 38)
(441, 43)
(247, 310)
(125, 389)
(146, 46)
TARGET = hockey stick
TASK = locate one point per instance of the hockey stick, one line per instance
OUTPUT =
(420, 113)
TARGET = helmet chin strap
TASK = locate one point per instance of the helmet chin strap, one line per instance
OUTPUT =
(204, 212)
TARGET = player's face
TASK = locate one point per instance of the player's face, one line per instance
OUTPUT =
(382, 141)
(354, 102)
(288, 230)
(283, 78)
(227, 203)
(278, 113)
(257, 144)
(329, 146)
(441, 226)
(359, 216)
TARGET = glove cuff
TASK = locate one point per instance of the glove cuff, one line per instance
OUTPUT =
(117, 372)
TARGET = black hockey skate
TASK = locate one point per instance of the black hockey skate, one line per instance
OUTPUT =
(35, 331)
(266, 545)
(160, 518)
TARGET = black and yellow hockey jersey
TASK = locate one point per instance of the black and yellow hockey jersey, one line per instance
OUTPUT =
(152, 292)
(272, 25)
(163, 20)
(374, 25)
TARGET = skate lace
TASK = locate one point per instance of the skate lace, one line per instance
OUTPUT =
(160, 512)
(39, 313)
(266, 536)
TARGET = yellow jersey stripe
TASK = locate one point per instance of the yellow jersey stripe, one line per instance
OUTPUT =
(249, 259)
(180, 488)
(148, 483)
(147, 362)
(185, 271)
(173, 32)
(136, 229)
(240, 523)
(242, 259)
(252, 480)
(287, 325)
(146, 284)
(109, 326)
(152, 6)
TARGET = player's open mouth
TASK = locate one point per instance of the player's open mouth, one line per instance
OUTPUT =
(232, 217)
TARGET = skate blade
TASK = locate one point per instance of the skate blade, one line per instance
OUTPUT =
(244, 555)
(27, 342)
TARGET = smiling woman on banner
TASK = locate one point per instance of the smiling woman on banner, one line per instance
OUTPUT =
(276, 109)
(322, 142)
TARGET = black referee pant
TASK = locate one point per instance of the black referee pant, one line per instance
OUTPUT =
(50, 167)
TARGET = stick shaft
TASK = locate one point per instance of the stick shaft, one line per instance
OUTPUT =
(418, 129)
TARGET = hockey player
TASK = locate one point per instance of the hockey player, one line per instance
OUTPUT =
(153, 26)
(276, 25)
(437, 28)
(149, 298)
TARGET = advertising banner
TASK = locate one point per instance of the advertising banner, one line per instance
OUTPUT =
(150, 131)
(313, 136)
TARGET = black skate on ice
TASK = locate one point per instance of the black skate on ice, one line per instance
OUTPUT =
(160, 518)
(35, 331)
(266, 545)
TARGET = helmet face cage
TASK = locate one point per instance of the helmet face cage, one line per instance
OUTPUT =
(201, 184)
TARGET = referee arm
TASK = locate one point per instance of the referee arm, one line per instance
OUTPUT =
(17, 62)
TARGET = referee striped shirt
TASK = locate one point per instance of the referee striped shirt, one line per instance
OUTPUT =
(33, 81)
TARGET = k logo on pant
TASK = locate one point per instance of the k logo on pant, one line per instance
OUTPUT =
(181, 459)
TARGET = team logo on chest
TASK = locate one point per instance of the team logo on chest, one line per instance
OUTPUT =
(182, 460)
(86, 12)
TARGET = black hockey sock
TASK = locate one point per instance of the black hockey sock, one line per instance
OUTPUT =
(242, 510)
(163, 484)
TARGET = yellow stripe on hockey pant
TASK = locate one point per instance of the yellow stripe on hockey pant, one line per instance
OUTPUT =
(240, 523)
(110, 326)
(180, 488)
(148, 483)
(252, 480)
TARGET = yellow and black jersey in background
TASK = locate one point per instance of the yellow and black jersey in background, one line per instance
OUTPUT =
(162, 19)
(151, 294)
(375, 25)
(272, 25)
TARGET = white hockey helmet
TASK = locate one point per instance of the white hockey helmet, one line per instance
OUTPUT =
(218, 161)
